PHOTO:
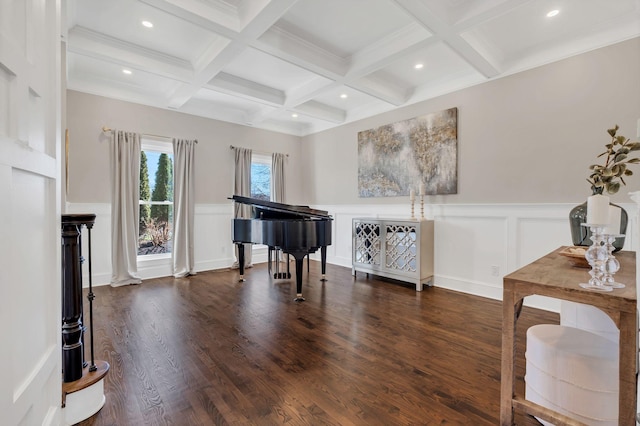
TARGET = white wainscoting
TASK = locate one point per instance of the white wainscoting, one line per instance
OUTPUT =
(213, 247)
(475, 244)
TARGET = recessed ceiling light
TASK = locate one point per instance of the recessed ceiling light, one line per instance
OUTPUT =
(344, 96)
(418, 66)
(553, 13)
(294, 115)
(147, 24)
(126, 71)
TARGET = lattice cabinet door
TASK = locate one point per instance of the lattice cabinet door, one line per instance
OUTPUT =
(366, 243)
(401, 249)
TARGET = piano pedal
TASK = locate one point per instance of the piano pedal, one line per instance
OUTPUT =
(281, 275)
(299, 298)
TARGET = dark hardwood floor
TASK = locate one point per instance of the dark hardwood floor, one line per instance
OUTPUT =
(208, 350)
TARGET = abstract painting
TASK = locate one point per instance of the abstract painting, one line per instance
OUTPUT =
(396, 158)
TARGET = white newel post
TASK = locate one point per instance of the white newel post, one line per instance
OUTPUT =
(635, 196)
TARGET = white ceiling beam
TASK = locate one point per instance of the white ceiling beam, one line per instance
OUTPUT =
(203, 108)
(114, 90)
(249, 9)
(313, 88)
(322, 111)
(449, 35)
(281, 44)
(311, 109)
(198, 13)
(210, 54)
(295, 129)
(378, 55)
(261, 23)
(86, 42)
(491, 13)
(383, 89)
(314, 110)
(290, 48)
(293, 49)
(237, 86)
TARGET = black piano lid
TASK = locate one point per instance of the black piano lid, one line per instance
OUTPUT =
(282, 208)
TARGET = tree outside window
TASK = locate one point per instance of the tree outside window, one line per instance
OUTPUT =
(156, 198)
(261, 177)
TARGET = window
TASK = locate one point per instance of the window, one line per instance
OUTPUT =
(155, 228)
(261, 177)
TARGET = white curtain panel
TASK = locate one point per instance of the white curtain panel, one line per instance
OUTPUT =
(277, 177)
(242, 187)
(183, 207)
(125, 208)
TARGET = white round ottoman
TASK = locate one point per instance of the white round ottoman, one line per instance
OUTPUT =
(573, 372)
(588, 318)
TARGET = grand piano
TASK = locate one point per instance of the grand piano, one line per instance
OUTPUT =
(295, 230)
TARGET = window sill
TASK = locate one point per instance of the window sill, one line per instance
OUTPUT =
(153, 257)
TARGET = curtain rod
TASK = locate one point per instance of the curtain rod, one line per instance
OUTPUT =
(106, 129)
(258, 152)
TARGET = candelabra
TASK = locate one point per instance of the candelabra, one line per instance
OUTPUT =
(597, 255)
(612, 265)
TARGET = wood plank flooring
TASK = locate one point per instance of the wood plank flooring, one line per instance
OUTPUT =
(208, 350)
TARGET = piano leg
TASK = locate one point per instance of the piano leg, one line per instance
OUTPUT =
(288, 268)
(323, 262)
(241, 261)
(299, 264)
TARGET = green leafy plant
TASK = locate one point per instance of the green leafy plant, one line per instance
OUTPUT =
(610, 175)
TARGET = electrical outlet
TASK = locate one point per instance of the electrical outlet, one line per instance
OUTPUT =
(495, 271)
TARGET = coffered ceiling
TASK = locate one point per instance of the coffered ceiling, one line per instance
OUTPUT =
(303, 66)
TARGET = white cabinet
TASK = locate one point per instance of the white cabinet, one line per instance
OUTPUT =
(401, 249)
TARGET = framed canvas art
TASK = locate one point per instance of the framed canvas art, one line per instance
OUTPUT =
(396, 158)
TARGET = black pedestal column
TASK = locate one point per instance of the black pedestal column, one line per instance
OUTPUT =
(72, 329)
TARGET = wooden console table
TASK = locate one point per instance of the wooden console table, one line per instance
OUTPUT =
(553, 276)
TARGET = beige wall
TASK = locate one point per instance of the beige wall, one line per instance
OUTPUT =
(89, 153)
(525, 138)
